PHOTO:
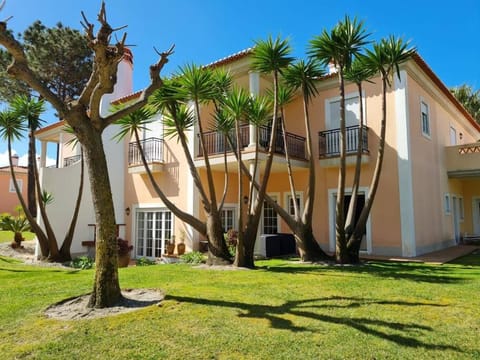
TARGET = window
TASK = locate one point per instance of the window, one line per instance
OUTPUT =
(228, 219)
(289, 203)
(461, 210)
(352, 111)
(453, 136)
(12, 186)
(447, 204)
(425, 119)
(153, 229)
(270, 219)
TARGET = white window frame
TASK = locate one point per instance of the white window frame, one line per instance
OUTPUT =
(427, 134)
(153, 207)
(233, 208)
(11, 187)
(276, 197)
(453, 132)
(447, 204)
(286, 201)
(347, 97)
(461, 209)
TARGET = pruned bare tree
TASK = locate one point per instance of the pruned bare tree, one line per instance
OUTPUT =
(83, 115)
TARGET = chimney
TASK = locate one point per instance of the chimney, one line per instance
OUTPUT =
(332, 69)
(15, 160)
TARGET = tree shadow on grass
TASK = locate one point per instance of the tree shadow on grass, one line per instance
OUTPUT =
(396, 332)
(406, 271)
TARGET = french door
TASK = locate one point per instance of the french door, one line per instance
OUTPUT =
(153, 230)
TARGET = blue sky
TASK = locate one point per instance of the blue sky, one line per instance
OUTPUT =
(445, 33)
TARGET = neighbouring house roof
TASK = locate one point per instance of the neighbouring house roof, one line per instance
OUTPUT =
(16, 169)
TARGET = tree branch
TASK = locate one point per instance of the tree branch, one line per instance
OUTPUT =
(20, 70)
(156, 83)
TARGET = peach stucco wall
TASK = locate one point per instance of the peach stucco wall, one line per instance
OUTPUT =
(9, 200)
(433, 226)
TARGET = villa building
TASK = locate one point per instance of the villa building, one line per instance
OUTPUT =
(428, 196)
(8, 196)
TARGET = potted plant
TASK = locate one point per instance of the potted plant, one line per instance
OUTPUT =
(124, 250)
(17, 225)
(171, 245)
(181, 244)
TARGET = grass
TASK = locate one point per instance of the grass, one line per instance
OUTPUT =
(7, 236)
(282, 310)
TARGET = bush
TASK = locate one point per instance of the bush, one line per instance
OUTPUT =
(145, 262)
(4, 217)
(123, 247)
(82, 262)
(194, 257)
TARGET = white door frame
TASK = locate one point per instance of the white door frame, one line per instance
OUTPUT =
(476, 214)
(455, 218)
(149, 208)
(331, 218)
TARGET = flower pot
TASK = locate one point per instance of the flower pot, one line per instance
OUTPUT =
(123, 260)
(170, 249)
(180, 248)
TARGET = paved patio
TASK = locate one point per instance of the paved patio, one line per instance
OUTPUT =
(436, 257)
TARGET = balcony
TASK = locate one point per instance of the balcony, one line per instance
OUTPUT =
(329, 145)
(69, 161)
(153, 150)
(215, 142)
(463, 160)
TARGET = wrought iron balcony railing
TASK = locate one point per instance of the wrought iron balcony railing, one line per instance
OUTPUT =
(215, 142)
(329, 141)
(152, 148)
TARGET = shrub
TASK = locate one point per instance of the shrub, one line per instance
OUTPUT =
(145, 262)
(82, 262)
(194, 257)
(4, 217)
(123, 247)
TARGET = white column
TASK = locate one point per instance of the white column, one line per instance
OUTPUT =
(60, 150)
(254, 84)
(43, 154)
(404, 161)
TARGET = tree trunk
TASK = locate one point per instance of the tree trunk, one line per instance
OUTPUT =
(341, 246)
(307, 245)
(106, 290)
(31, 198)
(217, 248)
(67, 242)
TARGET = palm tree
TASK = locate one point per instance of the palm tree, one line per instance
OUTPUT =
(303, 75)
(269, 56)
(340, 46)
(385, 58)
(11, 128)
(235, 108)
(197, 85)
(29, 110)
(469, 98)
(136, 122)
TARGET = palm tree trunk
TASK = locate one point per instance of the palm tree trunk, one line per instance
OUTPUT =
(41, 237)
(362, 220)
(352, 207)
(67, 242)
(32, 199)
(341, 246)
(240, 249)
(54, 254)
(106, 290)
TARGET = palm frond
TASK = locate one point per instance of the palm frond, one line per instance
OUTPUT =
(29, 110)
(11, 126)
(271, 55)
(303, 75)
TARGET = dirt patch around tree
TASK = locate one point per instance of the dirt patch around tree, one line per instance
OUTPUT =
(76, 308)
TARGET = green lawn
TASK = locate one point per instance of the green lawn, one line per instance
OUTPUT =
(282, 310)
(7, 236)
